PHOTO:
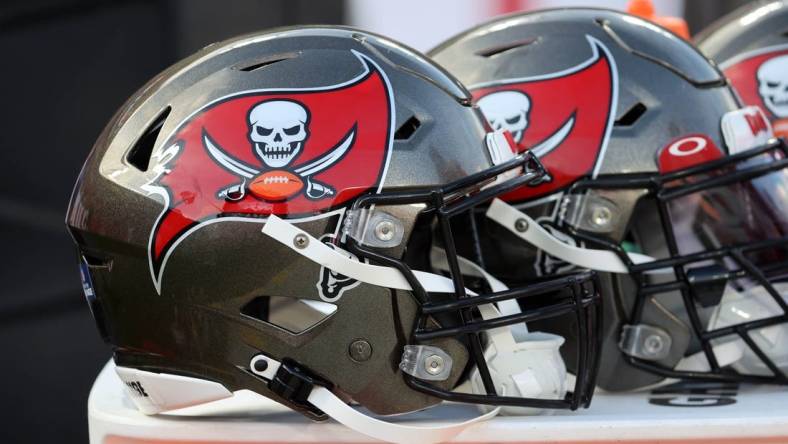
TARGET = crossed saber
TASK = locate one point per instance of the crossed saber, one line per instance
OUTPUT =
(314, 190)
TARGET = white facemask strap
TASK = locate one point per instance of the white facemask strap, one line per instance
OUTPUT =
(322, 254)
(534, 234)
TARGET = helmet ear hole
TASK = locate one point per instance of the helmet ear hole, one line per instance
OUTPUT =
(139, 154)
(293, 315)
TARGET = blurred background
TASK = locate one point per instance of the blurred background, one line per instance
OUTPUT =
(67, 65)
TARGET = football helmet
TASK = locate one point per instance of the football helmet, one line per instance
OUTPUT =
(273, 214)
(751, 47)
(657, 178)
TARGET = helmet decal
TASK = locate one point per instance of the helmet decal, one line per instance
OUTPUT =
(331, 284)
(761, 78)
(295, 153)
(686, 152)
(564, 117)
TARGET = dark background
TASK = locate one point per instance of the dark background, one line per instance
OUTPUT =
(65, 67)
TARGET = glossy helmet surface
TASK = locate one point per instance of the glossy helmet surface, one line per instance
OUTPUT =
(750, 45)
(657, 179)
(261, 216)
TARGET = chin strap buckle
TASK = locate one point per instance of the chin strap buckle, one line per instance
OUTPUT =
(295, 384)
(289, 381)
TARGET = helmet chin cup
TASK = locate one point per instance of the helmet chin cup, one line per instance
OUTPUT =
(530, 368)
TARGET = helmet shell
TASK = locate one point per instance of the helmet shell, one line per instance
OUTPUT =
(195, 313)
(626, 89)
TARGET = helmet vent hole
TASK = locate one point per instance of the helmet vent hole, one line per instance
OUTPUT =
(258, 64)
(407, 129)
(290, 314)
(632, 115)
(496, 50)
(139, 154)
(96, 261)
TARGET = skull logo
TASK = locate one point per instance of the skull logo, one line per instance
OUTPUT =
(773, 85)
(507, 110)
(278, 130)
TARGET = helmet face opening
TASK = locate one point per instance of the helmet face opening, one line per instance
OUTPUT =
(725, 235)
(464, 314)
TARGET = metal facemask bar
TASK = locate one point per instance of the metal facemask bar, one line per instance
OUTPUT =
(661, 188)
(580, 295)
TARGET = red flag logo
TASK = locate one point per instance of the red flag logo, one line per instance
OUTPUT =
(565, 117)
(290, 152)
(761, 79)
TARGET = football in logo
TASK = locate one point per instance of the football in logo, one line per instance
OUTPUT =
(565, 118)
(294, 153)
(275, 186)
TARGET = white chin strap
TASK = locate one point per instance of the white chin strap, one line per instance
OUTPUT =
(340, 411)
(322, 254)
(534, 234)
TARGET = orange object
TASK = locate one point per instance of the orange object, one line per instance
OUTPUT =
(645, 9)
(276, 185)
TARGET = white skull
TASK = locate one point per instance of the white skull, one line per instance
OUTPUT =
(507, 110)
(278, 129)
(773, 85)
